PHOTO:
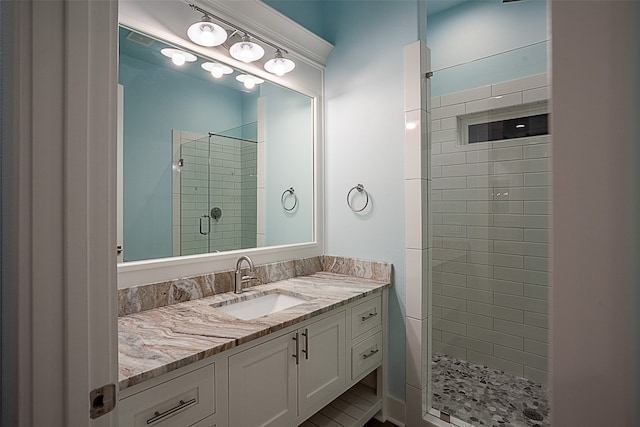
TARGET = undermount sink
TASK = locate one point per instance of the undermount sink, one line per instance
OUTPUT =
(261, 305)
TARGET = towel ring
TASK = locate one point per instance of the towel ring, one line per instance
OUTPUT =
(360, 189)
(295, 199)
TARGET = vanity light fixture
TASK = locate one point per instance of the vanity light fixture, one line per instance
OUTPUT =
(279, 65)
(178, 57)
(216, 69)
(245, 50)
(249, 81)
(206, 33)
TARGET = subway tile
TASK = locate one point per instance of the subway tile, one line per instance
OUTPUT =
(536, 291)
(520, 329)
(468, 219)
(537, 179)
(494, 311)
(436, 171)
(536, 347)
(467, 318)
(449, 326)
(468, 269)
(450, 230)
(490, 155)
(436, 288)
(449, 207)
(469, 169)
(436, 125)
(537, 207)
(525, 83)
(536, 375)
(418, 272)
(448, 111)
(494, 362)
(495, 337)
(536, 319)
(449, 123)
(536, 95)
(467, 293)
(467, 194)
(521, 248)
(436, 218)
(480, 245)
(436, 148)
(520, 275)
(436, 335)
(521, 221)
(517, 166)
(502, 260)
(491, 206)
(495, 102)
(499, 233)
(537, 235)
(468, 343)
(435, 102)
(449, 255)
(450, 349)
(523, 193)
(449, 183)
(449, 278)
(448, 302)
(528, 359)
(466, 95)
(444, 136)
(536, 263)
(511, 180)
(495, 285)
(521, 302)
(537, 151)
(448, 159)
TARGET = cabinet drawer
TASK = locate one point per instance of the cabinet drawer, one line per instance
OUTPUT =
(366, 355)
(179, 402)
(366, 316)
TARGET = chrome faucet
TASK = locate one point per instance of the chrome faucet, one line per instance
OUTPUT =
(239, 278)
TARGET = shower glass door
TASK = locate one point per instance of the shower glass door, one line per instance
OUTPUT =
(218, 193)
(490, 212)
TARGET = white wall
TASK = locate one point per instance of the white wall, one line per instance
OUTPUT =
(595, 292)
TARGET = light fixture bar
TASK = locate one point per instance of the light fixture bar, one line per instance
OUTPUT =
(237, 28)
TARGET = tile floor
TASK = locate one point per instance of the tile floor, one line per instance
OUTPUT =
(487, 397)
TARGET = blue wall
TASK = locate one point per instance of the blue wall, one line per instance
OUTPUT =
(308, 13)
(157, 100)
(505, 41)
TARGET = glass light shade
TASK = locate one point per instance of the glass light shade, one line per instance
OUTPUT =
(206, 33)
(279, 65)
(246, 51)
(177, 56)
(217, 70)
(249, 81)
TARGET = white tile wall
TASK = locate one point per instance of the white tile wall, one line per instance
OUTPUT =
(490, 209)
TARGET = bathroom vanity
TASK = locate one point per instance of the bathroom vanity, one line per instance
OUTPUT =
(205, 363)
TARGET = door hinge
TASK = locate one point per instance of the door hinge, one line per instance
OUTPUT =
(102, 400)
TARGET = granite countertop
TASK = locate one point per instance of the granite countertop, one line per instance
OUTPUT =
(157, 341)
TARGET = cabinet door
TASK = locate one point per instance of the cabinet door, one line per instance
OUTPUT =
(262, 384)
(321, 373)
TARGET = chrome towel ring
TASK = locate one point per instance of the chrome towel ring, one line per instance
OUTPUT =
(292, 193)
(360, 189)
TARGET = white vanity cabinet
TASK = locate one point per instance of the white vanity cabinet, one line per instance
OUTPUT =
(273, 383)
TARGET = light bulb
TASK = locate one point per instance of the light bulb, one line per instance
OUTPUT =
(278, 68)
(217, 72)
(245, 53)
(279, 65)
(207, 36)
(178, 58)
(249, 83)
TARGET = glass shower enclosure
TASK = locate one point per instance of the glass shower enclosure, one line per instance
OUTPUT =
(218, 192)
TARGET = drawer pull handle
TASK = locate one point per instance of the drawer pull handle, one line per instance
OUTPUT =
(369, 316)
(305, 334)
(157, 416)
(295, 355)
(371, 353)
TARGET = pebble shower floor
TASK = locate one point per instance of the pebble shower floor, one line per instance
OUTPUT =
(483, 396)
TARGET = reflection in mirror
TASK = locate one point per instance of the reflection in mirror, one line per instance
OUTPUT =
(206, 157)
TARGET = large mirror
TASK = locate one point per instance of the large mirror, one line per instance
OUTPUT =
(209, 164)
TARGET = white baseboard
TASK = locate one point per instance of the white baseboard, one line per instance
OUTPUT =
(395, 411)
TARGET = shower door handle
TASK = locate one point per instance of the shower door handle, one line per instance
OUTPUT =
(202, 231)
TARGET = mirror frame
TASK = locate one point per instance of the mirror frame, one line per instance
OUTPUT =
(168, 21)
